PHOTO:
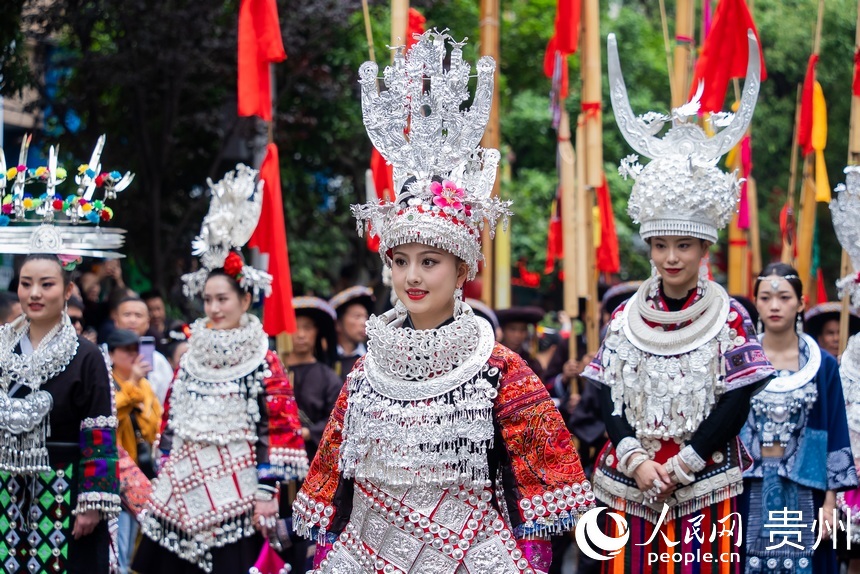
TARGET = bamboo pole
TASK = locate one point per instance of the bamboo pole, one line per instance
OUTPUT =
(567, 182)
(368, 32)
(787, 245)
(399, 22)
(806, 225)
(684, 26)
(592, 94)
(667, 46)
(755, 238)
(582, 273)
(490, 47)
(853, 158)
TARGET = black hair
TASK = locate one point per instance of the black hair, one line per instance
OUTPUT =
(75, 302)
(788, 273)
(783, 270)
(7, 300)
(234, 284)
(66, 275)
(152, 294)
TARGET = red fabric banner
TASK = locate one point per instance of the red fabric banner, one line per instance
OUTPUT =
(607, 259)
(415, 26)
(382, 175)
(270, 237)
(567, 16)
(746, 169)
(804, 127)
(821, 287)
(855, 87)
(725, 53)
(260, 44)
(554, 239)
(551, 57)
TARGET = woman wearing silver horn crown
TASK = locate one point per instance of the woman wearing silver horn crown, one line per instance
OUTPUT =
(59, 484)
(444, 452)
(680, 360)
(233, 430)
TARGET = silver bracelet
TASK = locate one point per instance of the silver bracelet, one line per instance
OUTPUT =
(636, 463)
(676, 473)
(626, 446)
(692, 459)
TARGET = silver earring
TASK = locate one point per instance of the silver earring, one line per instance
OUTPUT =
(759, 327)
(458, 301)
(798, 325)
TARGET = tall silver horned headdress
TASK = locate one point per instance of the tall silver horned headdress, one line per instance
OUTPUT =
(234, 210)
(444, 180)
(681, 191)
(845, 210)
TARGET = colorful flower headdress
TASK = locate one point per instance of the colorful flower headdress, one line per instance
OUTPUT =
(234, 210)
(53, 222)
(681, 191)
(845, 210)
(445, 180)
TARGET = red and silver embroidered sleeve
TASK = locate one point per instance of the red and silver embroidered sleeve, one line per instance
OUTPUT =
(315, 508)
(543, 486)
(287, 453)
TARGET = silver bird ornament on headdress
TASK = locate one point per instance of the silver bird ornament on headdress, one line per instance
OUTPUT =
(681, 191)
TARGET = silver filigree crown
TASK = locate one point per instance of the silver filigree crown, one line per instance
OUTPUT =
(445, 180)
(49, 221)
(681, 191)
(845, 210)
(234, 210)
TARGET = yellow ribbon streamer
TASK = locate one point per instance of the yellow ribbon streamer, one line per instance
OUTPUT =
(819, 142)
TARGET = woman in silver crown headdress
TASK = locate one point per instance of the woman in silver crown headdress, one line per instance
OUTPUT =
(444, 452)
(680, 360)
(233, 430)
(797, 435)
(58, 457)
(59, 484)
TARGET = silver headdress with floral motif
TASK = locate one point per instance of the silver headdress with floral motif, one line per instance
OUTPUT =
(445, 180)
(234, 210)
(681, 191)
(50, 222)
(845, 210)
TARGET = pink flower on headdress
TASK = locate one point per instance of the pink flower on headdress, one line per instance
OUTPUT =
(447, 194)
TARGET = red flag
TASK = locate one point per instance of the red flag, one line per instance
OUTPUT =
(415, 26)
(551, 58)
(725, 53)
(567, 15)
(270, 237)
(554, 239)
(260, 44)
(821, 287)
(855, 86)
(804, 127)
(607, 259)
(382, 179)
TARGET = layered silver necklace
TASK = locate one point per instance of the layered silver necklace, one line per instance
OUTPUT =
(665, 378)
(24, 422)
(420, 411)
(781, 407)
